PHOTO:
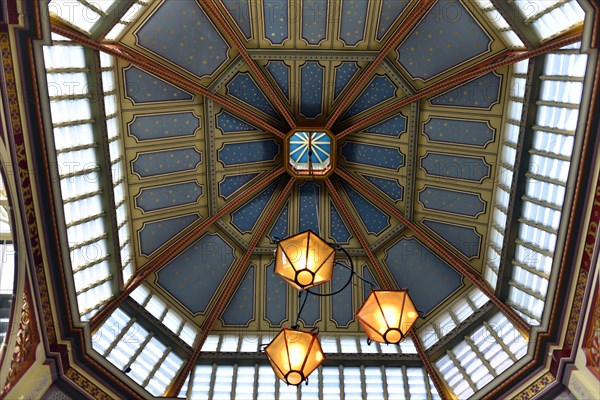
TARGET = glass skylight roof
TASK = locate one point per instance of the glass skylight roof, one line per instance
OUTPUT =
(153, 364)
(309, 151)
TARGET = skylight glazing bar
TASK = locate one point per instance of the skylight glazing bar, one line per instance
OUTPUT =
(534, 248)
(497, 20)
(168, 316)
(547, 154)
(531, 269)
(492, 348)
(137, 352)
(90, 264)
(97, 17)
(117, 337)
(523, 310)
(527, 290)
(550, 17)
(136, 8)
(77, 13)
(232, 381)
(512, 132)
(453, 316)
(115, 147)
(548, 170)
(500, 341)
(462, 372)
(81, 189)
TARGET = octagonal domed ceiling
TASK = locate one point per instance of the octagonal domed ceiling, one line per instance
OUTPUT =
(235, 93)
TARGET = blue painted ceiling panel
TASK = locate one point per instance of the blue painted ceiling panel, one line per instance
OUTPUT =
(456, 131)
(194, 275)
(473, 169)
(244, 88)
(281, 228)
(371, 155)
(353, 21)
(231, 183)
(166, 161)
(275, 297)
(464, 238)
(256, 151)
(164, 126)
(447, 36)
(482, 93)
(141, 87)
(312, 309)
(167, 196)
(240, 12)
(245, 218)
(229, 123)
(337, 228)
(390, 187)
(342, 311)
(275, 20)
(280, 72)
(155, 234)
(311, 93)
(314, 21)
(181, 32)
(372, 217)
(451, 201)
(428, 278)
(343, 73)
(308, 210)
(378, 90)
(370, 278)
(240, 311)
(390, 10)
(393, 126)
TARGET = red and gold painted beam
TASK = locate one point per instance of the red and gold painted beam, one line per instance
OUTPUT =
(223, 299)
(387, 284)
(150, 66)
(443, 390)
(457, 263)
(381, 276)
(217, 17)
(180, 243)
(500, 60)
(418, 9)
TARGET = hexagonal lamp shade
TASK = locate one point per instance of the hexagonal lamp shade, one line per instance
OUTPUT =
(304, 260)
(387, 315)
(294, 355)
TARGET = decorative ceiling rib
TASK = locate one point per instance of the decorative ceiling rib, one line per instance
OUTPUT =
(505, 58)
(382, 277)
(184, 239)
(462, 267)
(417, 11)
(230, 33)
(222, 300)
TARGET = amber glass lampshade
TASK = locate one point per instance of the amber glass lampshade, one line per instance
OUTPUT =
(387, 315)
(304, 260)
(294, 355)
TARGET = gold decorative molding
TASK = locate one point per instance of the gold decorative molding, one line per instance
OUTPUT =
(86, 385)
(23, 355)
(591, 340)
(24, 181)
(536, 387)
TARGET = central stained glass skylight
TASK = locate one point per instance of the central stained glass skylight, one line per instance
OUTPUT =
(310, 151)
